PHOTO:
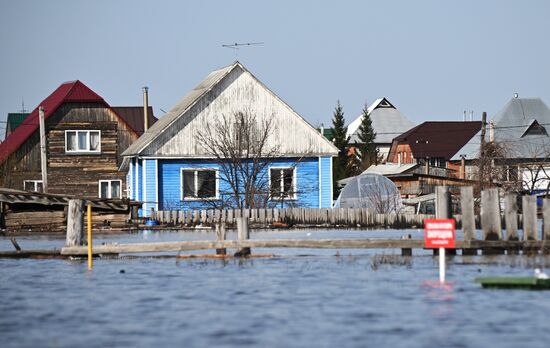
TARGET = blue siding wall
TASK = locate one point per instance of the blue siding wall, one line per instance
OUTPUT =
(139, 185)
(169, 172)
(326, 182)
(151, 184)
(169, 183)
(307, 182)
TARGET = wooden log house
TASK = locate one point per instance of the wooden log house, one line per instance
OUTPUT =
(85, 137)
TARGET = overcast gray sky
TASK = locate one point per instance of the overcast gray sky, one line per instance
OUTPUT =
(431, 59)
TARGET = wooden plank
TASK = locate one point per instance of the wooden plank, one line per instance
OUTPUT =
(289, 243)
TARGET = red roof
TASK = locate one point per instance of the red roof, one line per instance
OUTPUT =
(68, 92)
(441, 139)
(133, 116)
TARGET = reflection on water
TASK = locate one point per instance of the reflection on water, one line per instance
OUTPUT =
(333, 298)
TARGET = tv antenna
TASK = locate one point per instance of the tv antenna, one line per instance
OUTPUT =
(236, 46)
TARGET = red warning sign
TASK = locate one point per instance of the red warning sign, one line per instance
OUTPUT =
(439, 233)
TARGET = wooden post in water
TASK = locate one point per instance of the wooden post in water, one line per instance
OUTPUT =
(75, 222)
(443, 210)
(468, 217)
(491, 222)
(89, 219)
(134, 212)
(243, 234)
(220, 236)
(490, 214)
(442, 202)
(511, 216)
(529, 208)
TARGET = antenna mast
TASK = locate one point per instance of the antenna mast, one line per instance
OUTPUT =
(236, 45)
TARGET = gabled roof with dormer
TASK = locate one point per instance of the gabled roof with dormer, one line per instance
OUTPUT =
(521, 127)
(387, 122)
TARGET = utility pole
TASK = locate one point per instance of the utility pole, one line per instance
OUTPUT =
(43, 157)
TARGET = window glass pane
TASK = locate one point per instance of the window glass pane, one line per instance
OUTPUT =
(104, 189)
(275, 185)
(39, 187)
(206, 183)
(71, 141)
(82, 141)
(188, 183)
(115, 189)
(28, 186)
(288, 181)
(94, 141)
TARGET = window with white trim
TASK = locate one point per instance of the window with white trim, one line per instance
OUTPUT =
(83, 141)
(33, 185)
(199, 184)
(282, 183)
(111, 189)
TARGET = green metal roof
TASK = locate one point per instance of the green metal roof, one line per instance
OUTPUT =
(14, 120)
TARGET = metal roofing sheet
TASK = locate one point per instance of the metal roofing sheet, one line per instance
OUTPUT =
(387, 122)
(181, 106)
(441, 139)
(73, 91)
(14, 120)
(510, 124)
(133, 116)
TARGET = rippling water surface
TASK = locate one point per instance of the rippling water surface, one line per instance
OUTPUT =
(319, 298)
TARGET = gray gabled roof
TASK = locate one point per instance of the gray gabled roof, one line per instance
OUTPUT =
(510, 126)
(185, 103)
(387, 122)
(221, 92)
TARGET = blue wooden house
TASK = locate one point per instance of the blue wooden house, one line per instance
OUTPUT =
(172, 167)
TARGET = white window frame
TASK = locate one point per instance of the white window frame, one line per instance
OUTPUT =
(196, 176)
(87, 150)
(109, 188)
(35, 184)
(294, 182)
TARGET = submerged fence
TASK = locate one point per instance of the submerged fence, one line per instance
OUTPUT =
(350, 217)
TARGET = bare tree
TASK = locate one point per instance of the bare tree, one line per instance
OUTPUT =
(240, 144)
(490, 170)
(383, 198)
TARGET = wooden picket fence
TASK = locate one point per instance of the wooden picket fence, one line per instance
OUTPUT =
(341, 217)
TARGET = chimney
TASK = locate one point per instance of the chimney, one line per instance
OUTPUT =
(145, 108)
(462, 167)
(464, 117)
(491, 131)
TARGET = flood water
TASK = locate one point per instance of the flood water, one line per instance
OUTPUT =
(304, 298)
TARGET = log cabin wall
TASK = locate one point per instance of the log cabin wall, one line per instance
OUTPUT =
(75, 174)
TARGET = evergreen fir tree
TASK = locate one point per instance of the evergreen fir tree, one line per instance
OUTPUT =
(340, 169)
(368, 152)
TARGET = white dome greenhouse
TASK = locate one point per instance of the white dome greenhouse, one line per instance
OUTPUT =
(370, 191)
